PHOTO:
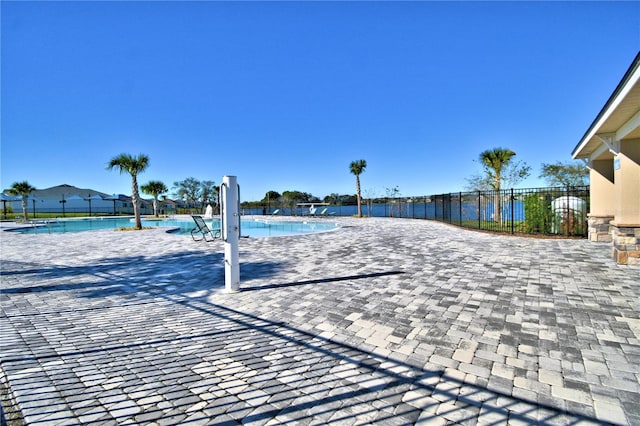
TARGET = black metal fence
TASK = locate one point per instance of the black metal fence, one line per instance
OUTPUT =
(545, 211)
(542, 211)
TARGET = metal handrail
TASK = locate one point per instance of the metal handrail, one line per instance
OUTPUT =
(222, 224)
(222, 207)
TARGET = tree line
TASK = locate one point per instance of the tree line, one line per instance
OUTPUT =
(498, 169)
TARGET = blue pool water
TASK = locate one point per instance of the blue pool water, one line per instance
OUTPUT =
(250, 228)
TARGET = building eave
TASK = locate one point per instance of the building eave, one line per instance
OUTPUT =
(590, 139)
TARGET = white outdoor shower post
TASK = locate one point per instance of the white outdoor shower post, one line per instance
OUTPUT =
(230, 230)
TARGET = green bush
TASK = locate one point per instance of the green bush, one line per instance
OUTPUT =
(538, 214)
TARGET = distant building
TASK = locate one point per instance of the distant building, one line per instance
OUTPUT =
(64, 199)
(611, 149)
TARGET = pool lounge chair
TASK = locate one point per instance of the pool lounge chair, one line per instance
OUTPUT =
(326, 213)
(202, 232)
(310, 212)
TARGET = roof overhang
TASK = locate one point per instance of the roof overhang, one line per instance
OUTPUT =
(619, 119)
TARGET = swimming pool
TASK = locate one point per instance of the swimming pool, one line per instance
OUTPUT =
(254, 228)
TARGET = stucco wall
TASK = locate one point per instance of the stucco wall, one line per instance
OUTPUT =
(602, 189)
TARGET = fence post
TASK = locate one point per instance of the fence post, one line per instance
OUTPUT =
(425, 207)
(479, 212)
(512, 212)
(567, 218)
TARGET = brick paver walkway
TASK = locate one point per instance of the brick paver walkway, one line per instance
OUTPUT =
(384, 321)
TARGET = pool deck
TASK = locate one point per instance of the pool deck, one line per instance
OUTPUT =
(384, 321)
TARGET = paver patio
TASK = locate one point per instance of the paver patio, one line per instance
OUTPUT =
(385, 321)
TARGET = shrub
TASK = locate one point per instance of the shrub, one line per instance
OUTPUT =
(538, 214)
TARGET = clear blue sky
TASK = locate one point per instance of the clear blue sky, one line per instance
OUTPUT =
(285, 95)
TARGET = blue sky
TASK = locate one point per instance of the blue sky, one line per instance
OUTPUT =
(285, 95)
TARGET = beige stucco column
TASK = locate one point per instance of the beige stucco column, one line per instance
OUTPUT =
(602, 210)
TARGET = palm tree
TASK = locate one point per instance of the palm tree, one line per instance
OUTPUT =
(494, 160)
(357, 167)
(154, 188)
(133, 166)
(22, 189)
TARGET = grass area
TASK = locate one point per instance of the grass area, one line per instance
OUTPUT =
(18, 216)
(519, 227)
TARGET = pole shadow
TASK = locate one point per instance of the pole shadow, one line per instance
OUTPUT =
(321, 281)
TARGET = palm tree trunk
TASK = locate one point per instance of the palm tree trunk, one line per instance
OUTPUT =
(155, 205)
(496, 207)
(135, 198)
(358, 196)
(24, 209)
